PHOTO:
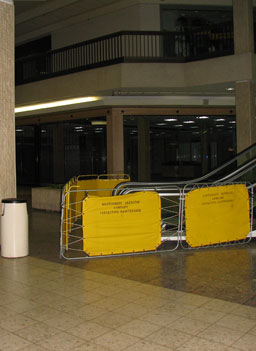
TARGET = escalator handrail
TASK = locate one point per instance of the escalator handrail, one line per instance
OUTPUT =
(196, 180)
(238, 172)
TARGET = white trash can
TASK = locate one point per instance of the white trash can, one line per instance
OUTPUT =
(14, 228)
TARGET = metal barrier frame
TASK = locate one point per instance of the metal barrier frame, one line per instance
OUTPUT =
(68, 228)
(172, 223)
(190, 187)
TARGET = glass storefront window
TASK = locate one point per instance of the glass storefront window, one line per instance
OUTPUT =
(25, 155)
(56, 152)
(181, 147)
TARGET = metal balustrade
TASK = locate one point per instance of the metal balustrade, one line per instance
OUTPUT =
(127, 46)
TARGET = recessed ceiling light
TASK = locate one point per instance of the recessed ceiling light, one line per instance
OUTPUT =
(202, 117)
(189, 122)
(161, 124)
(232, 122)
(230, 89)
(178, 125)
(219, 119)
(170, 119)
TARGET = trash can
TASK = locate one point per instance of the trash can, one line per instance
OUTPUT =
(14, 228)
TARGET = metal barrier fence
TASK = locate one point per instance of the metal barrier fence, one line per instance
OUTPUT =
(174, 229)
(235, 241)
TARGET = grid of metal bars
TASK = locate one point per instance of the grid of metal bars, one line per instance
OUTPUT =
(127, 46)
(173, 224)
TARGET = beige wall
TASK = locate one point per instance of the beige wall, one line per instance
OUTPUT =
(220, 70)
(144, 76)
(73, 85)
(136, 17)
(7, 141)
(149, 17)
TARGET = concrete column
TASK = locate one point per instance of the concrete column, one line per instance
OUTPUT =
(58, 154)
(7, 120)
(245, 90)
(205, 149)
(144, 169)
(243, 26)
(115, 142)
(245, 114)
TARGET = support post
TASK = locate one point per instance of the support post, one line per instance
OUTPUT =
(243, 26)
(115, 142)
(58, 154)
(144, 174)
(7, 119)
(245, 114)
(245, 90)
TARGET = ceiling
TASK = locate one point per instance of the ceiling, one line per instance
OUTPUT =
(23, 6)
(37, 17)
(47, 6)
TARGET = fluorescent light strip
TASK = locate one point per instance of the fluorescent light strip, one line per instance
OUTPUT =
(55, 104)
(98, 123)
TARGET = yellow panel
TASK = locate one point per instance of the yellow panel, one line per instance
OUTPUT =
(217, 215)
(121, 224)
(82, 186)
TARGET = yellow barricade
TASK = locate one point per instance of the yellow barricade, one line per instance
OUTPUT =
(217, 215)
(76, 190)
(98, 183)
(121, 224)
(93, 186)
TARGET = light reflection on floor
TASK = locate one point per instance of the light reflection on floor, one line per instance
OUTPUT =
(226, 273)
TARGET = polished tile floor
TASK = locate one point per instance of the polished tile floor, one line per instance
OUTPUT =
(183, 300)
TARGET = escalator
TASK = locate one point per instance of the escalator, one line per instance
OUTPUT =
(242, 168)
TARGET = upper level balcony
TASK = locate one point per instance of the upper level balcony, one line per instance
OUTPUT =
(128, 47)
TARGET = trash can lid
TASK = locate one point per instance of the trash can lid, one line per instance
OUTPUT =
(13, 201)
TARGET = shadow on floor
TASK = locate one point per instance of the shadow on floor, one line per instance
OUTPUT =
(225, 273)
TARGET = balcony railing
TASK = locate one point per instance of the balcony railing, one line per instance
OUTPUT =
(127, 47)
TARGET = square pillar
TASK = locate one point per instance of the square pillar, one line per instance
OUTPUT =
(243, 26)
(144, 165)
(205, 149)
(58, 154)
(7, 102)
(245, 89)
(115, 141)
(245, 114)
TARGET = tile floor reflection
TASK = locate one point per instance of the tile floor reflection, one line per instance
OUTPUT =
(185, 300)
